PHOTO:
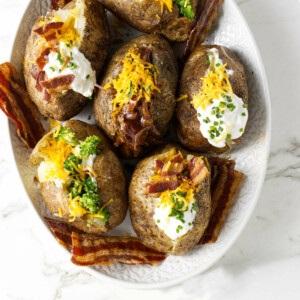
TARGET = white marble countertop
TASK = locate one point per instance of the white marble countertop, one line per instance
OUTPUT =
(264, 263)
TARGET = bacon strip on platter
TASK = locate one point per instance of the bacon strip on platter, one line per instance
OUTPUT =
(56, 4)
(17, 105)
(90, 250)
(225, 182)
(203, 26)
(107, 250)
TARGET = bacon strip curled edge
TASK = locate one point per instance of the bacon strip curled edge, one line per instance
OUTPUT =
(203, 26)
(17, 105)
(90, 250)
(225, 182)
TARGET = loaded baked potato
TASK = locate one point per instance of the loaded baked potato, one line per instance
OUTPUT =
(213, 112)
(169, 200)
(64, 55)
(81, 179)
(137, 98)
(174, 19)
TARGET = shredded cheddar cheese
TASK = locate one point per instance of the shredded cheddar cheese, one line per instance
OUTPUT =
(57, 152)
(186, 188)
(167, 3)
(182, 98)
(214, 85)
(136, 81)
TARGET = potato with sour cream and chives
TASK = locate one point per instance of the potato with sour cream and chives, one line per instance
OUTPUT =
(212, 113)
(81, 179)
(169, 200)
(64, 56)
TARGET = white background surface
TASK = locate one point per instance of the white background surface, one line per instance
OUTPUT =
(264, 263)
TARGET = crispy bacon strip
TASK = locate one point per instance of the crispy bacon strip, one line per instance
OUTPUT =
(62, 231)
(16, 104)
(203, 26)
(225, 182)
(56, 4)
(58, 82)
(107, 250)
(90, 250)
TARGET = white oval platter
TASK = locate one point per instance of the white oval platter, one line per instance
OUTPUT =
(251, 155)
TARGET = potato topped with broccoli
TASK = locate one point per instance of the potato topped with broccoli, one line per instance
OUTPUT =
(77, 172)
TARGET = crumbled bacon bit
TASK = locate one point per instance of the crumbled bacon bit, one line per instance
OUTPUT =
(63, 82)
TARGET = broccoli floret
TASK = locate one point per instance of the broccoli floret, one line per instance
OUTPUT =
(89, 146)
(90, 202)
(89, 186)
(106, 214)
(75, 189)
(185, 8)
(68, 165)
(68, 136)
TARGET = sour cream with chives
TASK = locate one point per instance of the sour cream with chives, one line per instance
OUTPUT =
(171, 226)
(224, 117)
(79, 66)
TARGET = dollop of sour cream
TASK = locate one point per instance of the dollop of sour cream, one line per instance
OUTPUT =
(223, 119)
(79, 66)
(171, 226)
(43, 173)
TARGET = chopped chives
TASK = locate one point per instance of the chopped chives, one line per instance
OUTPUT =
(207, 62)
(243, 114)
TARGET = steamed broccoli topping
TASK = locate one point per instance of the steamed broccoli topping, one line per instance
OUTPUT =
(71, 161)
(89, 146)
(75, 189)
(185, 7)
(91, 202)
(89, 186)
(105, 213)
(68, 136)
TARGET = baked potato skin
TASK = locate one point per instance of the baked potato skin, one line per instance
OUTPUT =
(95, 46)
(142, 15)
(164, 102)
(188, 125)
(142, 208)
(111, 182)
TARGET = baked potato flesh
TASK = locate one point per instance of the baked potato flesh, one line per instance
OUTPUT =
(81, 179)
(169, 200)
(172, 19)
(64, 55)
(138, 96)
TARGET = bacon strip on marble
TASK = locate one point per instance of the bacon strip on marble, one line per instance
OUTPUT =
(203, 26)
(17, 105)
(225, 182)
